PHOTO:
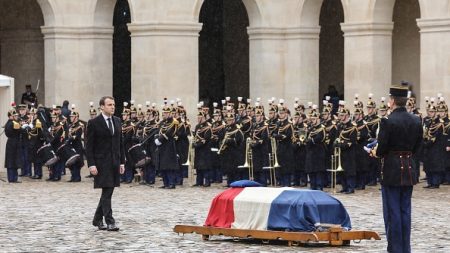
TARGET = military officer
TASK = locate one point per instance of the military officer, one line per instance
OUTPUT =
(285, 154)
(202, 146)
(299, 144)
(29, 98)
(74, 137)
(167, 158)
(259, 144)
(347, 138)
(217, 133)
(316, 151)
(13, 158)
(128, 139)
(230, 149)
(399, 138)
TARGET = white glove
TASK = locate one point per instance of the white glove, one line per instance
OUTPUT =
(24, 126)
(157, 142)
(367, 149)
(31, 125)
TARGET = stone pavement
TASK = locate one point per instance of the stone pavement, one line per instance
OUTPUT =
(39, 216)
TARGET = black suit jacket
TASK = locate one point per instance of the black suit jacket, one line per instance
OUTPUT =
(105, 151)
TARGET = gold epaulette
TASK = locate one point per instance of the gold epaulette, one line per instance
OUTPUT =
(38, 124)
(16, 125)
(176, 122)
(209, 124)
(354, 124)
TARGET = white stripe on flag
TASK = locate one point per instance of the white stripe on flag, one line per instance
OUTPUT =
(252, 207)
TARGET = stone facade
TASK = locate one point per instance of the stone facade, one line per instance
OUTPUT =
(72, 54)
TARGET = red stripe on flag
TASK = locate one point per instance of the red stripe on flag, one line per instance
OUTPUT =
(221, 213)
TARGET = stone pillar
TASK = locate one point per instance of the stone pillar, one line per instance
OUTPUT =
(367, 59)
(284, 63)
(165, 62)
(434, 58)
(78, 65)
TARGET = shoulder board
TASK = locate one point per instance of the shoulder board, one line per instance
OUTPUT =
(333, 122)
(38, 123)
(176, 122)
(266, 124)
(16, 125)
(354, 124)
(209, 124)
(441, 121)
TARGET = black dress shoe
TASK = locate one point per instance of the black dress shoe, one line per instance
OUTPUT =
(69, 181)
(162, 187)
(36, 177)
(112, 227)
(171, 187)
(100, 225)
(16, 182)
(207, 185)
(434, 187)
(349, 192)
(196, 185)
(88, 176)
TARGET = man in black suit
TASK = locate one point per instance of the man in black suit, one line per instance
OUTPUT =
(106, 159)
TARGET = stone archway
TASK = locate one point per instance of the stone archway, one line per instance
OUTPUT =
(121, 54)
(223, 50)
(22, 45)
(331, 48)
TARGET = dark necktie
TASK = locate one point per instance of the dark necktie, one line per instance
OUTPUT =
(110, 126)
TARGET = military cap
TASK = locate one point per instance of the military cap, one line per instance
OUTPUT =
(399, 90)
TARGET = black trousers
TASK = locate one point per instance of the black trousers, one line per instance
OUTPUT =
(104, 207)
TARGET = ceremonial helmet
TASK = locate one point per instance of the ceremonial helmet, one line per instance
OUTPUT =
(133, 108)
(229, 116)
(314, 112)
(370, 102)
(358, 103)
(166, 107)
(125, 110)
(241, 104)
(92, 110)
(12, 111)
(259, 111)
(73, 112)
(383, 106)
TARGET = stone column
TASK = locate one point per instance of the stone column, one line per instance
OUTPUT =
(434, 58)
(78, 65)
(284, 63)
(165, 62)
(367, 59)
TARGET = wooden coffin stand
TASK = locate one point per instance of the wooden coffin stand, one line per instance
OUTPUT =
(334, 236)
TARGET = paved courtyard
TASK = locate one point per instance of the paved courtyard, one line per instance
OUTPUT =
(40, 216)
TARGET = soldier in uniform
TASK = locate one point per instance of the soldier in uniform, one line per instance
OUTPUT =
(260, 142)
(128, 139)
(182, 141)
(25, 142)
(300, 134)
(75, 138)
(362, 159)
(443, 111)
(330, 136)
(167, 157)
(382, 109)
(399, 138)
(347, 138)
(57, 133)
(217, 133)
(29, 98)
(37, 135)
(202, 145)
(315, 151)
(285, 153)
(433, 143)
(148, 133)
(230, 149)
(372, 122)
(13, 158)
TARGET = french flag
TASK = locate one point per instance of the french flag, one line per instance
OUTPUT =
(280, 209)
